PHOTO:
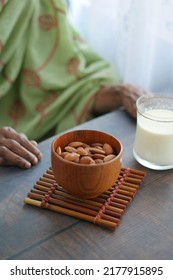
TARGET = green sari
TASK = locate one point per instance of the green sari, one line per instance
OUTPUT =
(48, 74)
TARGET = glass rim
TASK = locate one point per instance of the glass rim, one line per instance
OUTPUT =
(151, 117)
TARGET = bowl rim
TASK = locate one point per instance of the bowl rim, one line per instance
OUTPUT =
(86, 165)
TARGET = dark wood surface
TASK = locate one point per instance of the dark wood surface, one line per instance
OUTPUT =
(145, 230)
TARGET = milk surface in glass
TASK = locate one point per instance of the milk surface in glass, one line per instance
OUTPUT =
(153, 145)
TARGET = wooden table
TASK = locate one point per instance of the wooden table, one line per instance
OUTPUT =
(145, 230)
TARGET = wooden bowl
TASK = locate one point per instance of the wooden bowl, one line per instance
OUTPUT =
(83, 180)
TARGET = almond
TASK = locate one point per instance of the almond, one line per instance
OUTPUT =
(63, 154)
(108, 157)
(81, 151)
(76, 160)
(108, 149)
(98, 160)
(96, 145)
(71, 156)
(86, 160)
(99, 156)
(84, 145)
(87, 149)
(58, 150)
(75, 144)
(99, 147)
(97, 151)
(70, 149)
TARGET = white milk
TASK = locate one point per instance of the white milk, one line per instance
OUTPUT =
(154, 139)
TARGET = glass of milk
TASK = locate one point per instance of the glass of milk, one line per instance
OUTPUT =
(153, 146)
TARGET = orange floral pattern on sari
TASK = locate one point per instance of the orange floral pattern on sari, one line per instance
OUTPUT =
(2, 3)
(47, 22)
(72, 67)
(16, 112)
(31, 78)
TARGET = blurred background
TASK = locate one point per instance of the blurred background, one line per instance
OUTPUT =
(135, 36)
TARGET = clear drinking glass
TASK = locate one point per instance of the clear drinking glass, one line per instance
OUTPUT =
(153, 146)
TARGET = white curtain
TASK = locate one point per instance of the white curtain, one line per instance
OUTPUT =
(135, 36)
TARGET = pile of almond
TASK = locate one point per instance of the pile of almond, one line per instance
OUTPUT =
(83, 153)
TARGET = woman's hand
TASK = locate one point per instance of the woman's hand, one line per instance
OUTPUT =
(129, 95)
(110, 98)
(16, 149)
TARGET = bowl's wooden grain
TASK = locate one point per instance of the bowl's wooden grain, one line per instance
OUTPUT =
(85, 181)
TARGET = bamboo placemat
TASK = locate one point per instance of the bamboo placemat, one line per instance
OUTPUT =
(105, 210)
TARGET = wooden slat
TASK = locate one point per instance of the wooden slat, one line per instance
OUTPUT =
(105, 210)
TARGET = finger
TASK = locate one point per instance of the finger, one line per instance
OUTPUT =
(2, 161)
(23, 140)
(130, 106)
(34, 143)
(10, 133)
(28, 145)
(10, 158)
(19, 150)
